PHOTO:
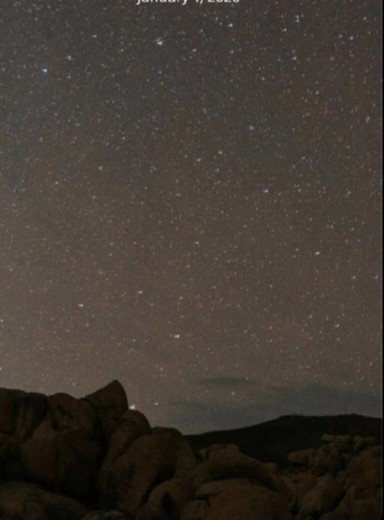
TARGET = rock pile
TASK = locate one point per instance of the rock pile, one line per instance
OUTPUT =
(95, 459)
(340, 480)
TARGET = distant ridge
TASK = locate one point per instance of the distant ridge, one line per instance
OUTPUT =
(271, 441)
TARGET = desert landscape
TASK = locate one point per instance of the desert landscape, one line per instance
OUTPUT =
(94, 458)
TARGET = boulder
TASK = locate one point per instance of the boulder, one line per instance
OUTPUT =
(328, 458)
(299, 484)
(322, 498)
(354, 506)
(237, 499)
(305, 482)
(364, 470)
(19, 500)
(11, 466)
(151, 459)
(353, 493)
(21, 412)
(205, 453)
(8, 448)
(105, 515)
(360, 442)
(302, 457)
(66, 460)
(227, 462)
(130, 427)
(110, 403)
(67, 413)
(195, 510)
(31, 410)
(9, 404)
(166, 501)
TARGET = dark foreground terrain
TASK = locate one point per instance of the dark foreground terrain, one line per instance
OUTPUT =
(63, 458)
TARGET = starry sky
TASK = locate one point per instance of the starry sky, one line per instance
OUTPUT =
(190, 203)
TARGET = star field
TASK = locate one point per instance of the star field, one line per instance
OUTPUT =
(190, 203)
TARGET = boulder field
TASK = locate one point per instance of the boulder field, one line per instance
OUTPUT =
(63, 458)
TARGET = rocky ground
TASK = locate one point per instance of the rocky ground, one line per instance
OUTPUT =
(63, 458)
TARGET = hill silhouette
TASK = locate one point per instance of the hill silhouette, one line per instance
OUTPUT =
(273, 440)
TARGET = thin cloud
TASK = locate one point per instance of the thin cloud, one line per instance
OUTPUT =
(226, 382)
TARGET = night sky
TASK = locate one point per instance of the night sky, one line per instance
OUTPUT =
(190, 203)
